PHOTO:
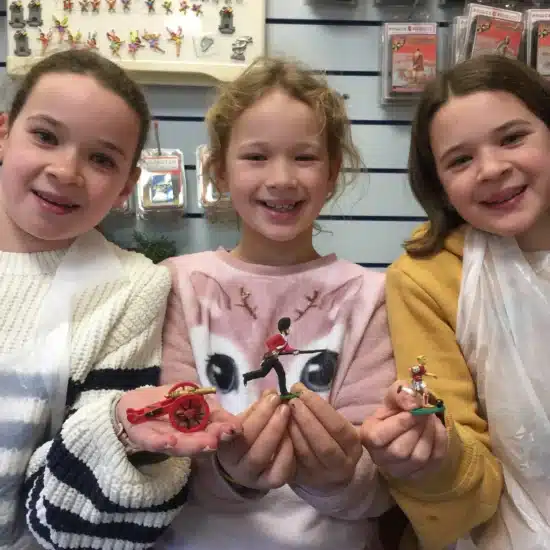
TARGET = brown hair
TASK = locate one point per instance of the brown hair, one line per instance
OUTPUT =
(299, 82)
(478, 74)
(86, 62)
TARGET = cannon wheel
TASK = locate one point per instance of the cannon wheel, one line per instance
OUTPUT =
(190, 413)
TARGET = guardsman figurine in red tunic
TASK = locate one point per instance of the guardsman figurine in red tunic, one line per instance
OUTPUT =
(276, 345)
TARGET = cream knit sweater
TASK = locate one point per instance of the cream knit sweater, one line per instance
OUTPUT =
(79, 490)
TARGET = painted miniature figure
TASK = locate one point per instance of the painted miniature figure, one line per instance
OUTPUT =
(150, 6)
(126, 5)
(419, 387)
(34, 18)
(91, 43)
(95, 5)
(134, 44)
(239, 46)
(276, 345)
(74, 40)
(17, 20)
(44, 39)
(115, 43)
(185, 405)
(111, 6)
(84, 6)
(184, 6)
(167, 6)
(21, 43)
(176, 38)
(68, 5)
(153, 41)
(61, 27)
(226, 21)
(197, 8)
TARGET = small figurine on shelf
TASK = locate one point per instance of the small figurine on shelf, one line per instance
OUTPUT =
(95, 5)
(44, 39)
(226, 21)
(134, 44)
(21, 39)
(167, 6)
(197, 8)
(153, 41)
(111, 6)
(74, 40)
(176, 38)
(184, 6)
(185, 405)
(419, 387)
(150, 6)
(115, 43)
(239, 46)
(68, 5)
(34, 18)
(84, 6)
(126, 5)
(17, 20)
(91, 43)
(61, 27)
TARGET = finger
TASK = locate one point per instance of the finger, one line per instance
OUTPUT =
(423, 449)
(282, 469)
(261, 453)
(400, 450)
(245, 414)
(319, 410)
(378, 434)
(397, 399)
(438, 451)
(305, 457)
(322, 443)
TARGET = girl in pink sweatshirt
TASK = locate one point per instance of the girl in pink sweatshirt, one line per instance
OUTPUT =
(298, 477)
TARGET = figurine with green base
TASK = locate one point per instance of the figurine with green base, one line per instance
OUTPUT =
(277, 345)
(430, 405)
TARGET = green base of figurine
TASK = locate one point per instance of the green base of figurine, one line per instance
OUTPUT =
(428, 410)
(289, 396)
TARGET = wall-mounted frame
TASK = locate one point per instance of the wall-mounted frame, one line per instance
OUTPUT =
(172, 42)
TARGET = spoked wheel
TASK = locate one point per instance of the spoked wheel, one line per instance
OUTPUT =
(190, 413)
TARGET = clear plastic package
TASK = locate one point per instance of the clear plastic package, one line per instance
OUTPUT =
(409, 60)
(537, 40)
(161, 187)
(492, 29)
(458, 34)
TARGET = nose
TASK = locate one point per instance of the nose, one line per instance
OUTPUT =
(65, 167)
(492, 165)
(281, 174)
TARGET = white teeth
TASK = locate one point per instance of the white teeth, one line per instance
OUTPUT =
(281, 207)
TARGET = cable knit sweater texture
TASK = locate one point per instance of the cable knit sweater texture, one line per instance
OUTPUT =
(80, 489)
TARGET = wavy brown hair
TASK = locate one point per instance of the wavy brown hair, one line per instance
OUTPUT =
(299, 82)
(479, 74)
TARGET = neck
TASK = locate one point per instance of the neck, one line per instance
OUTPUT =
(538, 236)
(14, 239)
(255, 249)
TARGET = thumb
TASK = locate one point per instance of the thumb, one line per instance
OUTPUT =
(400, 397)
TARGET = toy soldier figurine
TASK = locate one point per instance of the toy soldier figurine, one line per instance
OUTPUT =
(276, 345)
(418, 386)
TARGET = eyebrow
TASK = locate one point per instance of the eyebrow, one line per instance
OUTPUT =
(298, 145)
(57, 124)
(498, 130)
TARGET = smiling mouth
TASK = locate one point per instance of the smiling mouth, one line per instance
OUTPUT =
(61, 202)
(501, 199)
(277, 207)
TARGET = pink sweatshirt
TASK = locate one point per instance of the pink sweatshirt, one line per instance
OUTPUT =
(221, 312)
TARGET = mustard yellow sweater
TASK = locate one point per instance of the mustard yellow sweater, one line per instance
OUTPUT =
(422, 301)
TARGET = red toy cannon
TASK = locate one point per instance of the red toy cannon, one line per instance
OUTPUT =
(184, 404)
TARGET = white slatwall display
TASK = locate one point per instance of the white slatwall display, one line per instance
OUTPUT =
(370, 221)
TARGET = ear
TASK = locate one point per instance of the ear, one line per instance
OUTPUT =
(3, 133)
(128, 187)
(332, 302)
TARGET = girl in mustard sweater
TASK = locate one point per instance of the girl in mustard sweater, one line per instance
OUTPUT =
(472, 294)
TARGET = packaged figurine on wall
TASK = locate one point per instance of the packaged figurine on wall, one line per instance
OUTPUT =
(458, 35)
(176, 42)
(538, 40)
(409, 60)
(216, 206)
(492, 29)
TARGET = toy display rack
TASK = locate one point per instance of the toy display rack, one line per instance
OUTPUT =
(172, 42)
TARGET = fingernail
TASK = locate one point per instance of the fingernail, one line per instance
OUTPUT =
(208, 449)
(274, 397)
(227, 436)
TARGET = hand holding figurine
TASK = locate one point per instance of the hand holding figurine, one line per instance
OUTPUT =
(400, 443)
(262, 457)
(326, 445)
(157, 435)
